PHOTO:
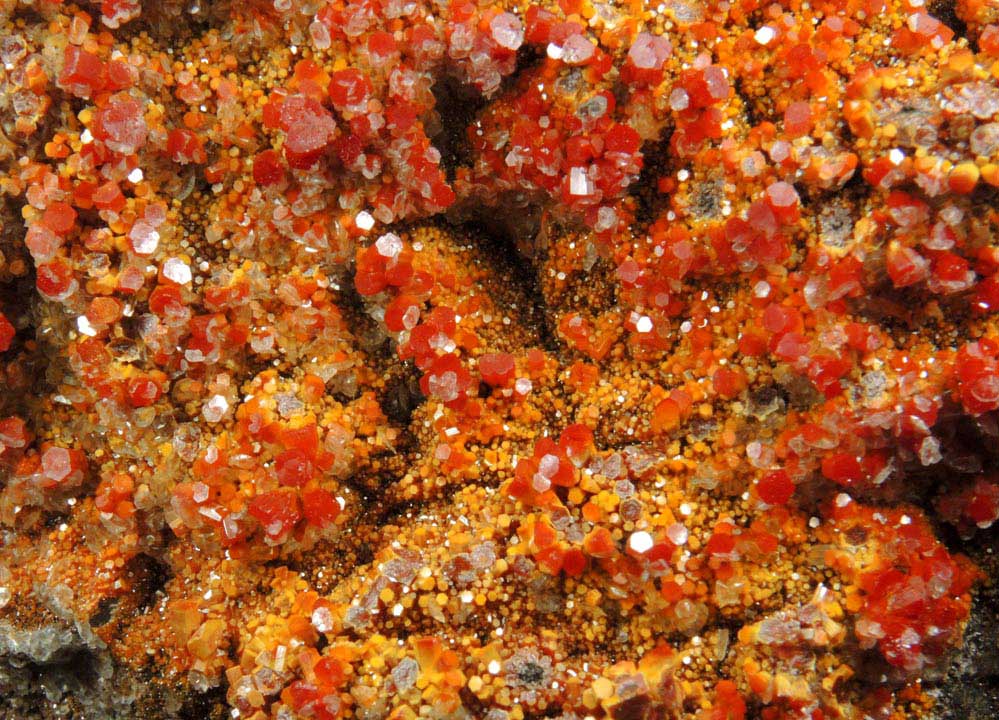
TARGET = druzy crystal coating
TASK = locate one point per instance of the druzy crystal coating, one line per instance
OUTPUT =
(575, 359)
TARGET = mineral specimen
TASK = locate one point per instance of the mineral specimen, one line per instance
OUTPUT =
(503, 360)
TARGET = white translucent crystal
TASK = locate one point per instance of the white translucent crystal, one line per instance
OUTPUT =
(606, 219)
(677, 534)
(364, 220)
(579, 183)
(640, 542)
(411, 317)
(215, 409)
(322, 619)
(577, 49)
(984, 140)
(199, 492)
(507, 30)
(320, 35)
(548, 465)
(176, 270)
(540, 483)
(678, 99)
(405, 674)
(929, 451)
(155, 214)
(84, 327)
(441, 342)
(56, 464)
(145, 238)
(389, 245)
(764, 35)
(230, 526)
(648, 52)
(444, 386)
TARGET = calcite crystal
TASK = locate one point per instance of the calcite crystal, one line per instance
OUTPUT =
(489, 359)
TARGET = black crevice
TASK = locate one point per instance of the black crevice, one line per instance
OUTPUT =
(506, 237)
(655, 158)
(946, 12)
(401, 394)
(457, 104)
(149, 576)
(749, 106)
(104, 612)
(361, 325)
(210, 705)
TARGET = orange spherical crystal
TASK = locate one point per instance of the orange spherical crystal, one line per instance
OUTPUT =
(665, 415)
(728, 382)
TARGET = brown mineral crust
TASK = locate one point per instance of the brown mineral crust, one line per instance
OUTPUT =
(579, 359)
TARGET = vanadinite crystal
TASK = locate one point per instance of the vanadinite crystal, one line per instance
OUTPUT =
(503, 360)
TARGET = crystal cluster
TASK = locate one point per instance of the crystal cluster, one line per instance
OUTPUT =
(577, 359)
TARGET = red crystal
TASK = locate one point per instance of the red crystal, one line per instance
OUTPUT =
(142, 391)
(184, 147)
(7, 333)
(59, 217)
(121, 125)
(320, 507)
(349, 89)
(446, 380)
(309, 127)
(109, 197)
(55, 279)
(775, 488)
(497, 369)
(294, 467)
(277, 512)
(83, 73)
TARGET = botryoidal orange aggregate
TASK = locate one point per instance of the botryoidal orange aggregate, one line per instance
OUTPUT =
(394, 358)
